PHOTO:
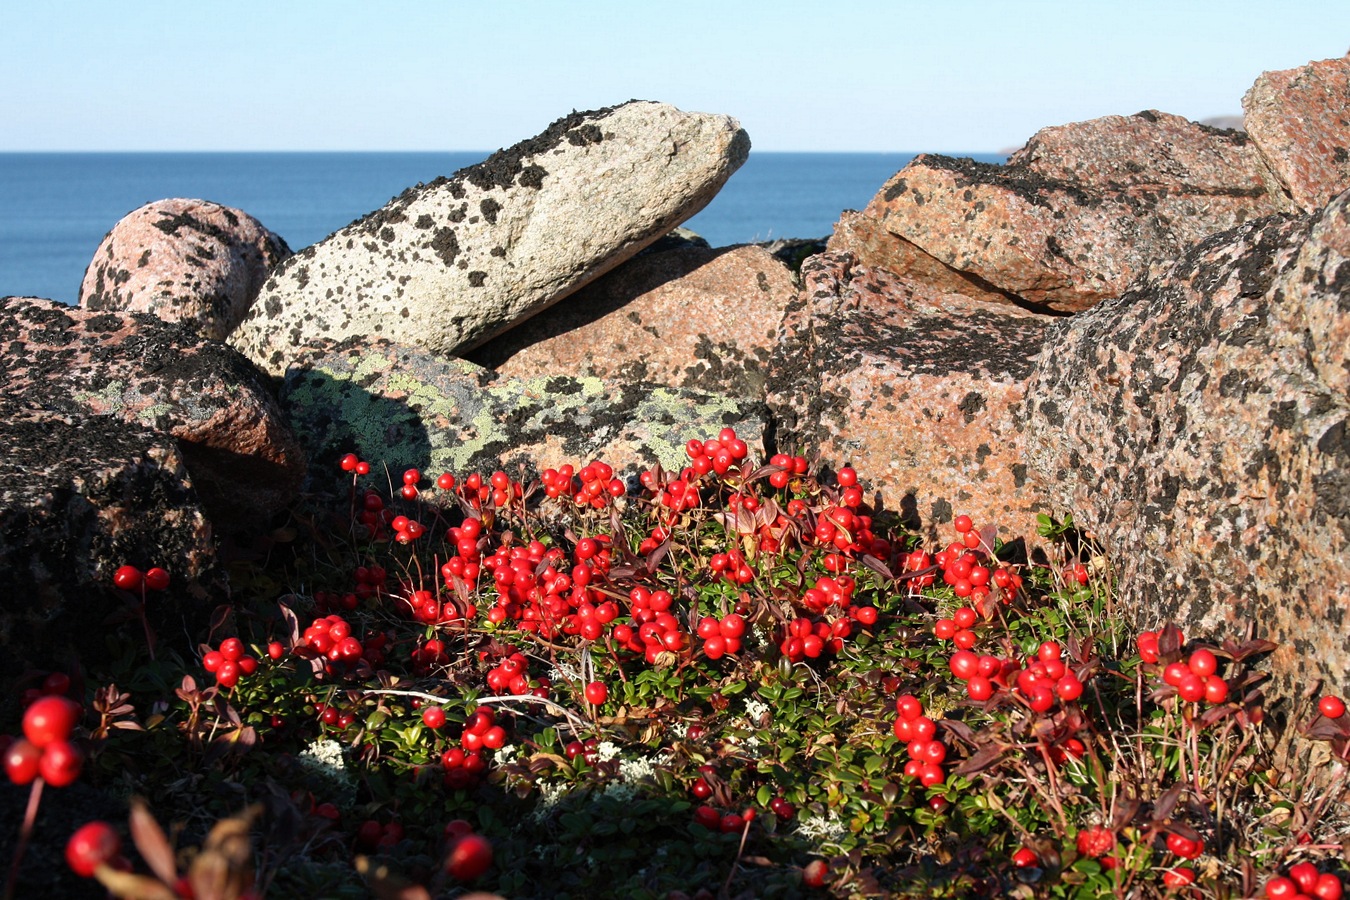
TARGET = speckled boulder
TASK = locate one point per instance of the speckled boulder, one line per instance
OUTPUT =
(916, 387)
(405, 406)
(693, 317)
(244, 460)
(450, 264)
(80, 495)
(188, 261)
(1074, 217)
(1300, 121)
(1200, 425)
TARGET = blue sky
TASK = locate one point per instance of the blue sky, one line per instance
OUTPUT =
(960, 75)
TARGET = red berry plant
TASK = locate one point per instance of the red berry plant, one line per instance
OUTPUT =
(735, 676)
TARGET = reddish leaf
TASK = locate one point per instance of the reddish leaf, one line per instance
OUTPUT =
(152, 843)
(1167, 802)
(982, 760)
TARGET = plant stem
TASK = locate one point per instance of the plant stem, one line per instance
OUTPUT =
(25, 834)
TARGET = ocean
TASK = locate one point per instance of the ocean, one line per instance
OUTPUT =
(55, 208)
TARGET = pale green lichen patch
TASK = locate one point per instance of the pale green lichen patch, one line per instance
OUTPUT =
(408, 407)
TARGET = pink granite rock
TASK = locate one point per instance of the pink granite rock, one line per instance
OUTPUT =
(693, 317)
(1200, 426)
(244, 460)
(917, 387)
(1077, 213)
(1300, 121)
(185, 261)
(80, 495)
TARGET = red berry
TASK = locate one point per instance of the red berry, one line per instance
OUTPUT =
(1203, 663)
(348, 462)
(157, 579)
(847, 477)
(469, 857)
(21, 761)
(962, 524)
(1025, 857)
(1331, 707)
(979, 687)
(128, 578)
(50, 719)
(60, 764)
(1281, 888)
(276, 650)
(1095, 842)
(1305, 875)
(596, 693)
(90, 846)
(1328, 887)
(433, 717)
(964, 664)
(813, 874)
(908, 706)
(1179, 877)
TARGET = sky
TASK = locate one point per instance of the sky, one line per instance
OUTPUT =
(948, 76)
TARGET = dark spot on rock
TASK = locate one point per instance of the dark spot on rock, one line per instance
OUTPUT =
(941, 511)
(457, 214)
(272, 307)
(762, 281)
(302, 277)
(387, 235)
(144, 260)
(424, 222)
(445, 245)
(497, 251)
(490, 208)
(562, 386)
(477, 279)
(1019, 473)
(895, 190)
(586, 134)
(971, 404)
(532, 177)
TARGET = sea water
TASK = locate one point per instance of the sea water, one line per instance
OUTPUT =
(55, 208)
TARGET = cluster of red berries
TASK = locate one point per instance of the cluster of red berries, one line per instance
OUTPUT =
(1304, 882)
(45, 751)
(594, 486)
(726, 823)
(464, 765)
(805, 638)
(229, 662)
(511, 675)
(429, 655)
(721, 636)
(1196, 680)
(848, 531)
(1186, 848)
(130, 578)
(426, 607)
(465, 564)
(587, 751)
(330, 638)
(731, 566)
(792, 467)
(917, 731)
(654, 630)
(373, 836)
(959, 629)
(718, 455)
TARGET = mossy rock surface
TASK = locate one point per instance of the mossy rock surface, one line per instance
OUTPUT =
(410, 407)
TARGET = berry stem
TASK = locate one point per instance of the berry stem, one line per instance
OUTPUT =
(25, 833)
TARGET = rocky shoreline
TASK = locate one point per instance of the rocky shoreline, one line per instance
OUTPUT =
(1138, 320)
